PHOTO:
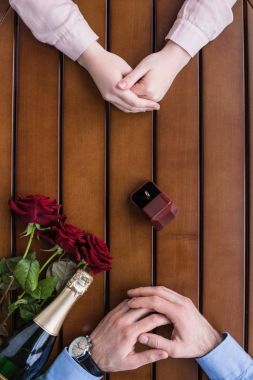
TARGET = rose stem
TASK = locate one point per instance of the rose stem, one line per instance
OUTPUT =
(49, 261)
(7, 289)
(29, 241)
(82, 263)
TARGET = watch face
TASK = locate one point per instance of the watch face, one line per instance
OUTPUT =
(79, 347)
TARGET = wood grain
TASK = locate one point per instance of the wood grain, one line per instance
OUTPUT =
(250, 114)
(6, 49)
(37, 163)
(6, 73)
(177, 175)
(130, 165)
(223, 123)
(177, 170)
(37, 127)
(83, 167)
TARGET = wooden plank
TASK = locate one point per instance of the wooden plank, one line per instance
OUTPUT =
(223, 123)
(6, 49)
(37, 150)
(250, 113)
(130, 165)
(83, 167)
(177, 175)
(6, 72)
(37, 126)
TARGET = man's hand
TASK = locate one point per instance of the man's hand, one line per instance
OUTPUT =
(107, 69)
(115, 337)
(152, 78)
(192, 335)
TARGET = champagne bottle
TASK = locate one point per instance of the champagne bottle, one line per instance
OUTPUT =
(27, 351)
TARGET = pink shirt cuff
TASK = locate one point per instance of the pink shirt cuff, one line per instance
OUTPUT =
(76, 40)
(58, 23)
(200, 22)
(188, 36)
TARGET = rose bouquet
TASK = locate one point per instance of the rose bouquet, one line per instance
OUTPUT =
(35, 284)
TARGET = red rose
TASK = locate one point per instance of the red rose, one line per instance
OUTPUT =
(64, 235)
(96, 253)
(80, 244)
(36, 209)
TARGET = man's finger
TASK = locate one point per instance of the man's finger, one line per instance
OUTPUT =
(158, 304)
(133, 315)
(120, 309)
(159, 291)
(158, 342)
(151, 322)
(130, 79)
(146, 357)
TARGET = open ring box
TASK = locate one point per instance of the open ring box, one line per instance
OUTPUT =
(155, 204)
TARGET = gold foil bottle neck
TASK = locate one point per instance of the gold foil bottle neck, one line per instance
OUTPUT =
(52, 317)
(80, 282)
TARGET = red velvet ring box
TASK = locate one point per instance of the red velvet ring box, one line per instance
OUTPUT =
(155, 204)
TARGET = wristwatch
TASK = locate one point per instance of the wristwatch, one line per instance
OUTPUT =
(79, 350)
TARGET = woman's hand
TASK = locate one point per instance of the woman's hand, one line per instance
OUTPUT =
(107, 69)
(152, 78)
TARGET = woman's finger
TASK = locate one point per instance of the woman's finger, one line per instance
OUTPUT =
(134, 101)
(129, 109)
(134, 76)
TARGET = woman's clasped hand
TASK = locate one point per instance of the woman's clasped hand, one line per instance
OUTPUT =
(139, 89)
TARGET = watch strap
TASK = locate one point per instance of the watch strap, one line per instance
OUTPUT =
(89, 365)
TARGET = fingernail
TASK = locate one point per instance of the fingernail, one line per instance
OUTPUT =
(131, 300)
(143, 339)
(123, 84)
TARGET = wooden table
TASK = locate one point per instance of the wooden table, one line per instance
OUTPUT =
(58, 138)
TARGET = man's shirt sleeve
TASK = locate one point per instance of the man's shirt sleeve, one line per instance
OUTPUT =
(228, 361)
(65, 367)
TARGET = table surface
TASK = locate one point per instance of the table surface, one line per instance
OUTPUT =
(59, 139)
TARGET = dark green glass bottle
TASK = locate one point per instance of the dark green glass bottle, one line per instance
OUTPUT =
(26, 353)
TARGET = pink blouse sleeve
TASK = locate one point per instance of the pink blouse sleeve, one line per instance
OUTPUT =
(58, 23)
(199, 22)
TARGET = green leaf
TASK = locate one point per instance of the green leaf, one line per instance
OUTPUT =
(28, 312)
(11, 262)
(3, 266)
(28, 298)
(15, 305)
(32, 255)
(26, 273)
(63, 270)
(45, 288)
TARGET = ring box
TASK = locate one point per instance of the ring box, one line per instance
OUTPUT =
(155, 204)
